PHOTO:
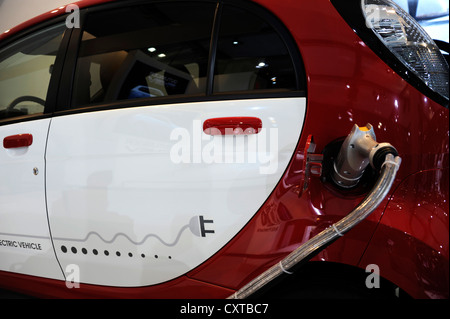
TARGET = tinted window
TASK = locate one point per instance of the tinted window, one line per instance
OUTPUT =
(25, 71)
(144, 51)
(250, 55)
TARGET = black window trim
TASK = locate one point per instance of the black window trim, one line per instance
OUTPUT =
(213, 48)
(53, 88)
(181, 99)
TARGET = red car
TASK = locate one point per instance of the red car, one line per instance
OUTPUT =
(224, 149)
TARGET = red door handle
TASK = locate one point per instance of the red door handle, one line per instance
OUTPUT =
(16, 141)
(232, 126)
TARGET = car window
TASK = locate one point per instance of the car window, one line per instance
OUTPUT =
(250, 55)
(144, 51)
(25, 71)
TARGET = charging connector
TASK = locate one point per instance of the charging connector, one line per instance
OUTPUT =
(359, 149)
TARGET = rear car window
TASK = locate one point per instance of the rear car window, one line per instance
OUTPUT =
(152, 50)
(250, 55)
(164, 49)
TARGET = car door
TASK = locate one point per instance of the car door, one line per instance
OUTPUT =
(26, 67)
(173, 141)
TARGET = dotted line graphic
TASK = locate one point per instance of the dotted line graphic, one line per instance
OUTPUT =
(96, 252)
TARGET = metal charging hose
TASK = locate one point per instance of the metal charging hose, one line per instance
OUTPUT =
(313, 246)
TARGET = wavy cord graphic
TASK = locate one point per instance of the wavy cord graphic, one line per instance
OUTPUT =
(137, 243)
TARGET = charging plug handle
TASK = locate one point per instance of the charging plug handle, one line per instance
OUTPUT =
(359, 149)
(379, 154)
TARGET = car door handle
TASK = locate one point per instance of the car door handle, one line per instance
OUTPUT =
(232, 126)
(17, 141)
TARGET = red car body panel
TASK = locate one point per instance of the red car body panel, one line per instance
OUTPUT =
(347, 84)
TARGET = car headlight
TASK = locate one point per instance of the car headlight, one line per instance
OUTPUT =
(401, 42)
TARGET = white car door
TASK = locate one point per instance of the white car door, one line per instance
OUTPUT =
(25, 72)
(141, 191)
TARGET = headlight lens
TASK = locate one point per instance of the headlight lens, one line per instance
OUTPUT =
(409, 42)
(400, 42)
